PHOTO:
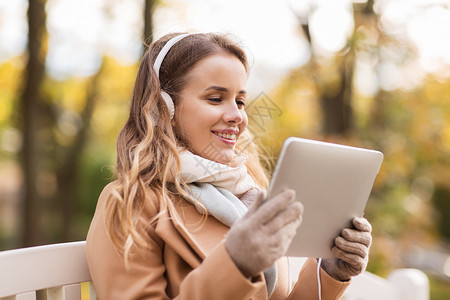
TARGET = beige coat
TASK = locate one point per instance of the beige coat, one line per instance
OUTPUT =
(186, 260)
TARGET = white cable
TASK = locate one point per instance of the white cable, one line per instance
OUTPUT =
(289, 275)
(318, 278)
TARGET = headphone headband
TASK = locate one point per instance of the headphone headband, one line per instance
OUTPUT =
(162, 54)
(157, 65)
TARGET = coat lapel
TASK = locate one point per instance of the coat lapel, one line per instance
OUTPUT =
(202, 233)
(167, 231)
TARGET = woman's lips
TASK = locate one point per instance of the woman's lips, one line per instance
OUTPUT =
(229, 138)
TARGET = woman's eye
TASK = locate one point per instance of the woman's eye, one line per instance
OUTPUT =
(216, 100)
(240, 103)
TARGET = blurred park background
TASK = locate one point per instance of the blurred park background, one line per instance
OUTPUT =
(367, 73)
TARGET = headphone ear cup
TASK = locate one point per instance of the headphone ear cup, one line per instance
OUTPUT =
(169, 103)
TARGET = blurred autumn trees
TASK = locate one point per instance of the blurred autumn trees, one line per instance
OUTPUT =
(409, 206)
(54, 119)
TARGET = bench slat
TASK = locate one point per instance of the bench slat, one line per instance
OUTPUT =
(24, 296)
(92, 294)
(67, 292)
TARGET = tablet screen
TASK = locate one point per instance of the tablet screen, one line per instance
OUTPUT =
(332, 181)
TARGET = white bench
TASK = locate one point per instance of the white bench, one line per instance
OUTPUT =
(56, 272)
(52, 272)
(401, 284)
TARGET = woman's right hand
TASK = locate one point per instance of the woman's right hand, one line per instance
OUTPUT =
(263, 235)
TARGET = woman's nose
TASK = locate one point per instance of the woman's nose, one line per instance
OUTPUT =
(233, 114)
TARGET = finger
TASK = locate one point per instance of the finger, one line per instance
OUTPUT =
(257, 203)
(362, 224)
(272, 207)
(356, 236)
(356, 261)
(249, 197)
(291, 213)
(355, 248)
(290, 229)
(284, 236)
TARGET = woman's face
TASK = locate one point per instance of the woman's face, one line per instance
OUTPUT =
(210, 114)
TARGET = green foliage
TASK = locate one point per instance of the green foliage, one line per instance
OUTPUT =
(95, 170)
(439, 289)
(442, 205)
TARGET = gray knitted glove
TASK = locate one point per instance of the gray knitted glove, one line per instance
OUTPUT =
(264, 234)
(249, 197)
(351, 250)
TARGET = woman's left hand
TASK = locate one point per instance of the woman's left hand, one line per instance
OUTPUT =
(351, 251)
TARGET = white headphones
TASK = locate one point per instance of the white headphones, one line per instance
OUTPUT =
(157, 65)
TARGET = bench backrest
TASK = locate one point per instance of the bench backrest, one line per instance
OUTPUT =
(55, 271)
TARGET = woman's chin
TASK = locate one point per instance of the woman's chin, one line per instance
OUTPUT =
(224, 157)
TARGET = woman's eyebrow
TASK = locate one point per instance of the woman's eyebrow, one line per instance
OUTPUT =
(223, 89)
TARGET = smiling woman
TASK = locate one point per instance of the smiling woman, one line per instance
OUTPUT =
(186, 217)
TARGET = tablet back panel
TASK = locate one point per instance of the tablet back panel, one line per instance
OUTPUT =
(332, 181)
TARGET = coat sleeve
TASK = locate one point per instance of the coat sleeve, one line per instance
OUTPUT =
(217, 277)
(307, 286)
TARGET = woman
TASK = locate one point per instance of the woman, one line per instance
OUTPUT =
(176, 223)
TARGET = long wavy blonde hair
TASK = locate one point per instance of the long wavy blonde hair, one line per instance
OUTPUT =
(147, 145)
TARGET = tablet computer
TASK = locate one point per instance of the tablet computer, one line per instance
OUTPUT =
(332, 181)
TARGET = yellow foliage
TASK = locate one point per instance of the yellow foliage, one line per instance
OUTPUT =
(10, 81)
